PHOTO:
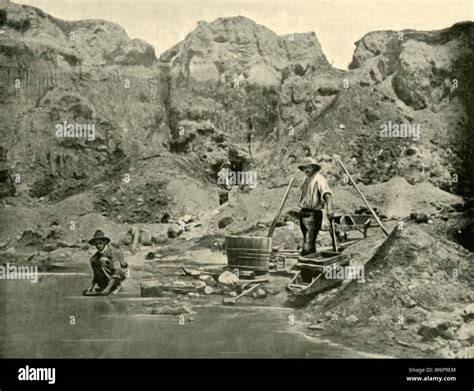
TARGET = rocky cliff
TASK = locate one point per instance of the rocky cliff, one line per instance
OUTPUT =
(227, 82)
(87, 73)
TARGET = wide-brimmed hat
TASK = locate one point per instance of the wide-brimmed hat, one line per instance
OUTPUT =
(309, 161)
(98, 235)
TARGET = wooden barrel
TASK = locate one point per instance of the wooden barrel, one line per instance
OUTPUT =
(248, 252)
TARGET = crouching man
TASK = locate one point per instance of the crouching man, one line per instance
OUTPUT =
(315, 195)
(108, 266)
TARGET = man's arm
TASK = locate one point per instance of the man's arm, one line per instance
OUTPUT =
(328, 199)
(93, 282)
(117, 258)
(325, 191)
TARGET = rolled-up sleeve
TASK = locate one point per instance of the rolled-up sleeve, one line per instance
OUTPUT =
(323, 187)
(117, 263)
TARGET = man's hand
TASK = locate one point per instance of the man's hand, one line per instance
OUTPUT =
(112, 285)
(88, 291)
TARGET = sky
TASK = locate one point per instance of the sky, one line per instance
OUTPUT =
(338, 24)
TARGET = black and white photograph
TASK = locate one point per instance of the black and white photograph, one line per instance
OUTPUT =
(242, 179)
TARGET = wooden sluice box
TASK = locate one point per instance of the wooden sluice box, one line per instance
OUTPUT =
(311, 280)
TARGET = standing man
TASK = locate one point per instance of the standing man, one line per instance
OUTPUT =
(315, 195)
(224, 183)
(108, 266)
(250, 134)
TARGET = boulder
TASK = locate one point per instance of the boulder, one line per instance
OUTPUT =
(272, 291)
(186, 219)
(165, 218)
(208, 290)
(421, 218)
(150, 255)
(145, 237)
(224, 222)
(159, 239)
(466, 332)
(200, 286)
(228, 279)
(48, 247)
(126, 241)
(168, 310)
(151, 289)
(408, 302)
(410, 151)
(468, 312)
(352, 319)
(174, 231)
(209, 280)
(328, 90)
(440, 325)
(260, 293)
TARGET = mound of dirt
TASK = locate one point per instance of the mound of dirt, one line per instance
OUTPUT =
(397, 198)
(71, 220)
(14, 220)
(416, 296)
(394, 199)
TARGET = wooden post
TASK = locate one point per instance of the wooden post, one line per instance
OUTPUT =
(363, 198)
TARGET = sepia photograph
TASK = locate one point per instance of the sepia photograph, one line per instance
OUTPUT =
(242, 179)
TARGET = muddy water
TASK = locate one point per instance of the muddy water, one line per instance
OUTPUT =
(50, 319)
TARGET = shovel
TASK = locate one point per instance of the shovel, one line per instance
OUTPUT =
(275, 220)
(233, 300)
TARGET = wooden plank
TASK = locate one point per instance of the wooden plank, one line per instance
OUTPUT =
(321, 268)
(323, 261)
(253, 268)
(275, 220)
(249, 250)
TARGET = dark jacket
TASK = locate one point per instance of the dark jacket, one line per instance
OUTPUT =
(114, 266)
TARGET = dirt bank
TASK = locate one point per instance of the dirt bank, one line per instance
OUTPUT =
(416, 300)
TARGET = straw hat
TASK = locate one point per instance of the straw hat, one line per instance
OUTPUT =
(309, 161)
